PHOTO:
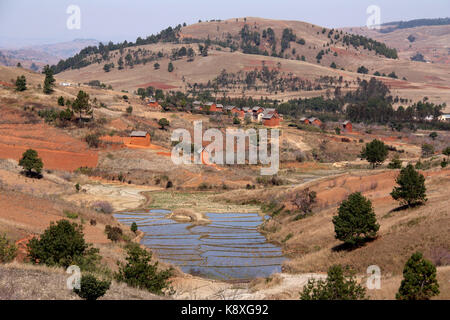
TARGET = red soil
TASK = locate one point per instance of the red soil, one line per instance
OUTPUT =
(24, 212)
(57, 149)
(6, 84)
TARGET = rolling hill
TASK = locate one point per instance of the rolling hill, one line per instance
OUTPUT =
(240, 47)
(429, 37)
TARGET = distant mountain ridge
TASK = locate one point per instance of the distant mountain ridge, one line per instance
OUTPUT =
(41, 55)
(414, 23)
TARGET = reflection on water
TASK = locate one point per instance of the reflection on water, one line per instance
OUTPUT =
(230, 247)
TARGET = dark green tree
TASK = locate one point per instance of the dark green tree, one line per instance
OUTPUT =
(340, 284)
(163, 122)
(61, 101)
(81, 104)
(134, 227)
(21, 83)
(375, 152)
(170, 67)
(433, 135)
(49, 81)
(363, 70)
(190, 54)
(31, 162)
(356, 220)
(411, 189)
(427, 149)
(419, 279)
(395, 163)
(91, 288)
(62, 244)
(446, 152)
(8, 250)
(120, 63)
(140, 272)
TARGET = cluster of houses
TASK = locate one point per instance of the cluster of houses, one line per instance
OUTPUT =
(442, 118)
(267, 116)
(345, 126)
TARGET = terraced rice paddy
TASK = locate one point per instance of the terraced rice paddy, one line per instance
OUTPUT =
(228, 248)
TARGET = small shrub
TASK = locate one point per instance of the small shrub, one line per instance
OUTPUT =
(340, 284)
(289, 236)
(103, 206)
(395, 163)
(203, 186)
(71, 215)
(304, 201)
(427, 150)
(93, 140)
(8, 250)
(134, 227)
(91, 288)
(138, 271)
(113, 233)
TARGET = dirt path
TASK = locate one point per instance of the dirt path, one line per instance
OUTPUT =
(281, 285)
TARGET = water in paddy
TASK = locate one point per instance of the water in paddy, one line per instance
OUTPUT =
(230, 247)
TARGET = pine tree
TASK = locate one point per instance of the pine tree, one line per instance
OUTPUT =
(49, 80)
(31, 162)
(356, 220)
(61, 101)
(375, 152)
(411, 189)
(21, 83)
(81, 104)
(419, 279)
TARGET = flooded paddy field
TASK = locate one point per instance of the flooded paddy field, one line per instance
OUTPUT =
(228, 248)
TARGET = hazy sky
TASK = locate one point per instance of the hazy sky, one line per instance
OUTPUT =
(44, 21)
